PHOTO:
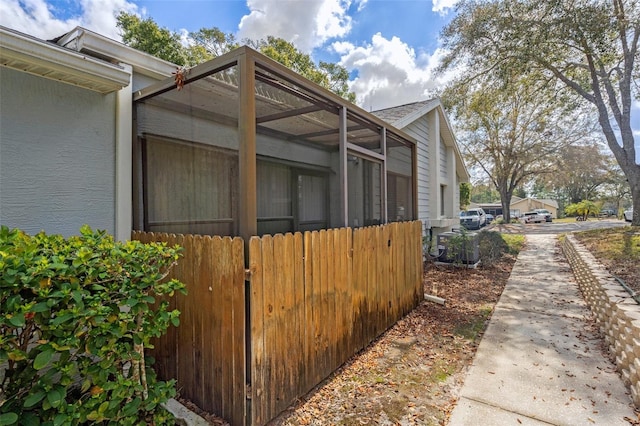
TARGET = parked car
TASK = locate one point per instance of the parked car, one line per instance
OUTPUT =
(607, 212)
(490, 218)
(628, 215)
(546, 213)
(533, 217)
(473, 218)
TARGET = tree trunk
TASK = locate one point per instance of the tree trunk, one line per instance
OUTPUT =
(635, 196)
(505, 199)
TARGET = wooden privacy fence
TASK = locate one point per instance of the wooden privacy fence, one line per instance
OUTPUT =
(311, 302)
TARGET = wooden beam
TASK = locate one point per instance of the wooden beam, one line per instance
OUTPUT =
(248, 224)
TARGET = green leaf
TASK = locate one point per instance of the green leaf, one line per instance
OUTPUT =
(33, 399)
(131, 408)
(42, 359)
(149, 299)
(60, 419)
(8, 419)
(55, 397)
(94, 416)
(17, 320)
(62, 318)
(40, 307)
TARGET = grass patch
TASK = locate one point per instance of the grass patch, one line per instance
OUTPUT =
(472, 329)
(514, 242)
(613, 243)
(618, 249)
(441, 371)
(493, 245)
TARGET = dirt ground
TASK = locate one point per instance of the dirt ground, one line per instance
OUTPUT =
(412, 374)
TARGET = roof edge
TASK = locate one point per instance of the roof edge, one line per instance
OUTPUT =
(83, 40)
(49, 60)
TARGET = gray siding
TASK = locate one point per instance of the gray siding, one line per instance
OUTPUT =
(443, 160)
(57, 155)
(420, 131)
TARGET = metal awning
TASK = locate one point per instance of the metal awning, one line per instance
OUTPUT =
(256, 95)
(287, 105)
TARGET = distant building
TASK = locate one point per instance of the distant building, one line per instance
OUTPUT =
(519, 206)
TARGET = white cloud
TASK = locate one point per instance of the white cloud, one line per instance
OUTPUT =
(307, 24)
(443, 6)
(389, 72)
(38, 18)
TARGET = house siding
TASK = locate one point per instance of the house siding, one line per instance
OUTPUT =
(444, 169)
(420, 131)
(57, 155)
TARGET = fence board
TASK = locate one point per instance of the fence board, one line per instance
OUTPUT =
(206, 353)
(259, 380)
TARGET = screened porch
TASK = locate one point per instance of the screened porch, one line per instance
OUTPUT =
(243, 146)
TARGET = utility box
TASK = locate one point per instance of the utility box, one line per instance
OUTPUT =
(458, 247)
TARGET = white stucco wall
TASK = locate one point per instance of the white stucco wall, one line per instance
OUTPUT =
(57, 155)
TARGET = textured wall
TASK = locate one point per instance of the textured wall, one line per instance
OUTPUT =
(57, 155)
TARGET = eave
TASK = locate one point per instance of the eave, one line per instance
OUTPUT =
(27, 54)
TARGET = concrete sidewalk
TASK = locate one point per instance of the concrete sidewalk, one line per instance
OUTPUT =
(540, 361)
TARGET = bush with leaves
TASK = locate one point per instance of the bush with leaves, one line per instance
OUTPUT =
(75, 317)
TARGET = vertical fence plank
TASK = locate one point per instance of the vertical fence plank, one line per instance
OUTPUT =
(309, 325)
(299, 304)
(236, 247)
(281, 300)
(216, 324)
(258, 379)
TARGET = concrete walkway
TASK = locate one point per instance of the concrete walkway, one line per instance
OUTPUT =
(540, 361)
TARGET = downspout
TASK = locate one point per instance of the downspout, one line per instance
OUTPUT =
(124, 166)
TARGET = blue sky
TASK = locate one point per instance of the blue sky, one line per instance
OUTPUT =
(390, 47)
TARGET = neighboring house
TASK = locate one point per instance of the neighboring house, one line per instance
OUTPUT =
(441, 168)
(246, 147)
(519, 206)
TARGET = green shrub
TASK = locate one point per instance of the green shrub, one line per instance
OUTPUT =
(75, 316)
(494, 245)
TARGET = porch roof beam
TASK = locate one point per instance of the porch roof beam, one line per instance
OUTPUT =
(364, 152)
(198, 72)
(329, 132)
(261, 130)
(287, 114)
(267, 79)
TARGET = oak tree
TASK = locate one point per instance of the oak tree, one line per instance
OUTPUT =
(207, 43)
(590, 46)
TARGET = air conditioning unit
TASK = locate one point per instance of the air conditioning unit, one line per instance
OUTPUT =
(458, 247)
